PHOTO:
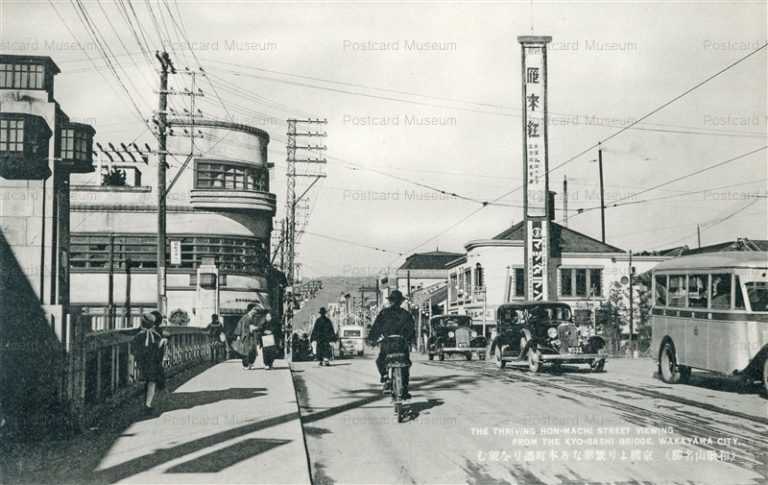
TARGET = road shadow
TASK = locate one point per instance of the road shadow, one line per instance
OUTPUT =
(77, 460)
(189, 400)
(228, 456)
(414, 410)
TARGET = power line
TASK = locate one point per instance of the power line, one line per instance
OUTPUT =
(675, 195)
(353, 243)
(650, 113)
(677, 179)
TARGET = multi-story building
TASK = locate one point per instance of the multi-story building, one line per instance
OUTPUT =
(219, 222)
(40, 149)
(420, 270)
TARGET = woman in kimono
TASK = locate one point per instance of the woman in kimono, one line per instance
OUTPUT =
(148, 348)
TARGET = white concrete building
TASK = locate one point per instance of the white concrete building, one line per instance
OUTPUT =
(492, 272)
(218, 230)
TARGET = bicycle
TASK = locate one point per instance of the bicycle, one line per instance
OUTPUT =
(396, 361)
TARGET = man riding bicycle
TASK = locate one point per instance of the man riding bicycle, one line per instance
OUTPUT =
(394, 320)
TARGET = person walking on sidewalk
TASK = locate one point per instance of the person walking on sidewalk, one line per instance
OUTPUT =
(215, 333)
(246, 336)
(148, 348)
(323, 333)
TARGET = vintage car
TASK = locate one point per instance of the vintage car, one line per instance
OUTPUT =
(351, 339)
(454, 334)
(544, 332)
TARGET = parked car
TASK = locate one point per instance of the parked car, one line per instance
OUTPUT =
(454, 334)
(351, 340)
(544, 333)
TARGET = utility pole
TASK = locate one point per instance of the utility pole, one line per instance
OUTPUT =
(631, 306)
(602, 190)
(291, 235)
(698, 233)
(166, 66)
(565, 200)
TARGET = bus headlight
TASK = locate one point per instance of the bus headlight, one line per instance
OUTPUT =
(552, 332)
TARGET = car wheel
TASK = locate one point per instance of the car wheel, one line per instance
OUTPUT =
(598, 365)
(668, 369)
(441, 356)
(765, 376)
(359, 353)
(481, 355)
(468, 356)
(534, 360)
(430, 356)
(500, 363)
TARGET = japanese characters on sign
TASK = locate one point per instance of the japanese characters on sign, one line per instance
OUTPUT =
(535, 128)
(538, 241)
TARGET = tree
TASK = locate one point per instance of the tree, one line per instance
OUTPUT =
(613, 317)
(179, 318)
(115, 178)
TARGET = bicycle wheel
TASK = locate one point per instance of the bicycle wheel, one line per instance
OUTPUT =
(397, 392)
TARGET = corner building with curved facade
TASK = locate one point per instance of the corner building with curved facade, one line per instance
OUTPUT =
(219, 221)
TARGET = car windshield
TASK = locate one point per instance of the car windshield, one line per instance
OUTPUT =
(450, 322)
(757, 292)
(550, 313)
(510, 316)
(353, 333)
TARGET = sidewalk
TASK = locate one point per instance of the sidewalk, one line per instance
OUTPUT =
(224, 425)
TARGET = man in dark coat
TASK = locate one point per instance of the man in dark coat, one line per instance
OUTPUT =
(323, 333)
(394, 320)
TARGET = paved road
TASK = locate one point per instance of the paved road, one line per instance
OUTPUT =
(473, 423)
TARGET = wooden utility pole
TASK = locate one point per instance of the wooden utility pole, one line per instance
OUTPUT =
(166, 66)
(698, 234)
(602, 191)
(110, 323)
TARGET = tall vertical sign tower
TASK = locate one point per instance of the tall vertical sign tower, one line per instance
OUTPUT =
(536, 165)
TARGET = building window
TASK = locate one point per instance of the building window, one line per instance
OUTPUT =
(11, 135)
(468, 282)
(479, 283)
(516, 284)
(581, 282)
(75, 144)
(232, 254)
(596, 283)
(566, 285)
(22, 76)
(213, 175)
(661, 290)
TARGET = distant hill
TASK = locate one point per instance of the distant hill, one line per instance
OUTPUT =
(333, 288)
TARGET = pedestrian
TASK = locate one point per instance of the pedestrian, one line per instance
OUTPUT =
(148, 348)
(323, 333)
(216, 334)
(245, 333)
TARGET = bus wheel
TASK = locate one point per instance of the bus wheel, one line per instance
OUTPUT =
(668, 369)
(765, 376)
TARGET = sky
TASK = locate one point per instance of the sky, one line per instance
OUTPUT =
(428, 93)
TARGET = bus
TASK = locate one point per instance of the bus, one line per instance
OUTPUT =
(711, 313)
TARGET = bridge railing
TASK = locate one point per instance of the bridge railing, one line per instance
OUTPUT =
(105, 373)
